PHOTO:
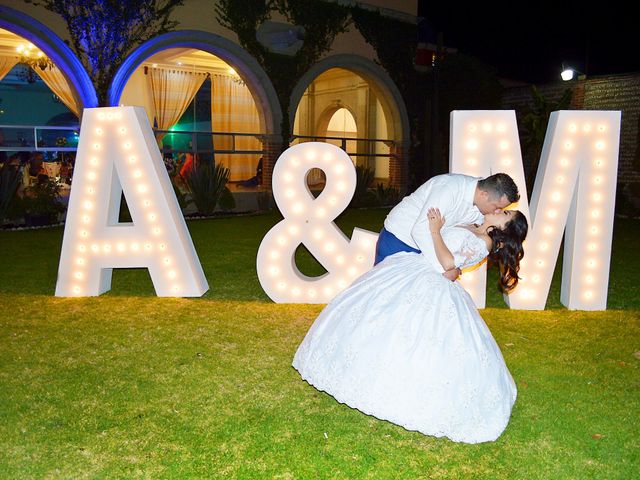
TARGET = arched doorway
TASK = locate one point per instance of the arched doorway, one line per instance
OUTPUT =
(43, 90)
(199, 105)
(34, 89)
(243, 123)
(358, 85)
(337, 126)
(341, 125)
(54, 48)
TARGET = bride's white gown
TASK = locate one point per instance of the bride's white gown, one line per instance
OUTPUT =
(405, 344)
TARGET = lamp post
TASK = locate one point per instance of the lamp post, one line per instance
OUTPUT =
(577, 88)
(569, 73)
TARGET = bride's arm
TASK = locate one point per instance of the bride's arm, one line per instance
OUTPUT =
(444, 255)
(452, 274)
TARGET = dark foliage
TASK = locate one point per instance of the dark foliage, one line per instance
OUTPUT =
(103, 32)
(10, 179)
(534, 128)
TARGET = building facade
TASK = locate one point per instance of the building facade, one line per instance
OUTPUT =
(199, 85)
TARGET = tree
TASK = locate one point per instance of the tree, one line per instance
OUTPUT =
(103, 32)
(463, 83)
(534, 124)
(322, 22)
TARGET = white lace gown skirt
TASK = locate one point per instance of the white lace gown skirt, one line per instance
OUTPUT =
(406, 345)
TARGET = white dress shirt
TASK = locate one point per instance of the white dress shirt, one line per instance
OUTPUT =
(451, 193)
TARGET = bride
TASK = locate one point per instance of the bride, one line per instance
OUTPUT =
(405, 344)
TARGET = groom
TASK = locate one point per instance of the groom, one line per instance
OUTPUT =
(461, 199)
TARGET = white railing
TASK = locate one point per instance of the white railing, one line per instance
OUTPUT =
(38, 138)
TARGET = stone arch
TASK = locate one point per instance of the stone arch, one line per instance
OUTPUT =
(54, 48)
(326, 115)
(244, 64)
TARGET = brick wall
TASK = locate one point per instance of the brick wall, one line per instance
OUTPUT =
(614, 92)
(272, 146)
(399, 169)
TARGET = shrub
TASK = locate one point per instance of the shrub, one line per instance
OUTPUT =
(206, 183)
(227, 202)
(183, 198)
(41, 203)
(386, 196)
(362, 196)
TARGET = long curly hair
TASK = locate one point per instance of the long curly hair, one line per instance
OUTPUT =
(507, 249)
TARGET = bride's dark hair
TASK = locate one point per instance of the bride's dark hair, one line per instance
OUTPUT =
(507, 249)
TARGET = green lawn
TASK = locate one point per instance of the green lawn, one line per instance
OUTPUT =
(133, 386)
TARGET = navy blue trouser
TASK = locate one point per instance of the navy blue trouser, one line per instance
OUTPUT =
(388, 244)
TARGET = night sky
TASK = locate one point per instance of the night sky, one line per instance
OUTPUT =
(529, 42)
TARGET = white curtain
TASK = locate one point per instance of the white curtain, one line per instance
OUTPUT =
(234, 110)
(172, 91)
(59, 85)
(6, 64)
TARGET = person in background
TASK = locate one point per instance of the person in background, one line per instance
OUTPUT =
(256, 180)
(187, 166)
(42, 176)
(35, 164)
(65, 171)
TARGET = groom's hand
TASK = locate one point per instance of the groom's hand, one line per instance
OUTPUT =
(452, 274)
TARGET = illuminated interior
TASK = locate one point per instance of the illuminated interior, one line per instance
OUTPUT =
(340, 103)
(184, 90)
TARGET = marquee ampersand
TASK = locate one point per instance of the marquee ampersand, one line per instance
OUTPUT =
(309, 221)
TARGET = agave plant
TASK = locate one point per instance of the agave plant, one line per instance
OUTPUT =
(10, 178)
(206, 183)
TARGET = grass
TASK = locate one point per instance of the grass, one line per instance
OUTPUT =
(128, 385)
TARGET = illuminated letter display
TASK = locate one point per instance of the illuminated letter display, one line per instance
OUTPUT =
(482, 143)
(309, 221)
(117, 153)
(574, 194)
